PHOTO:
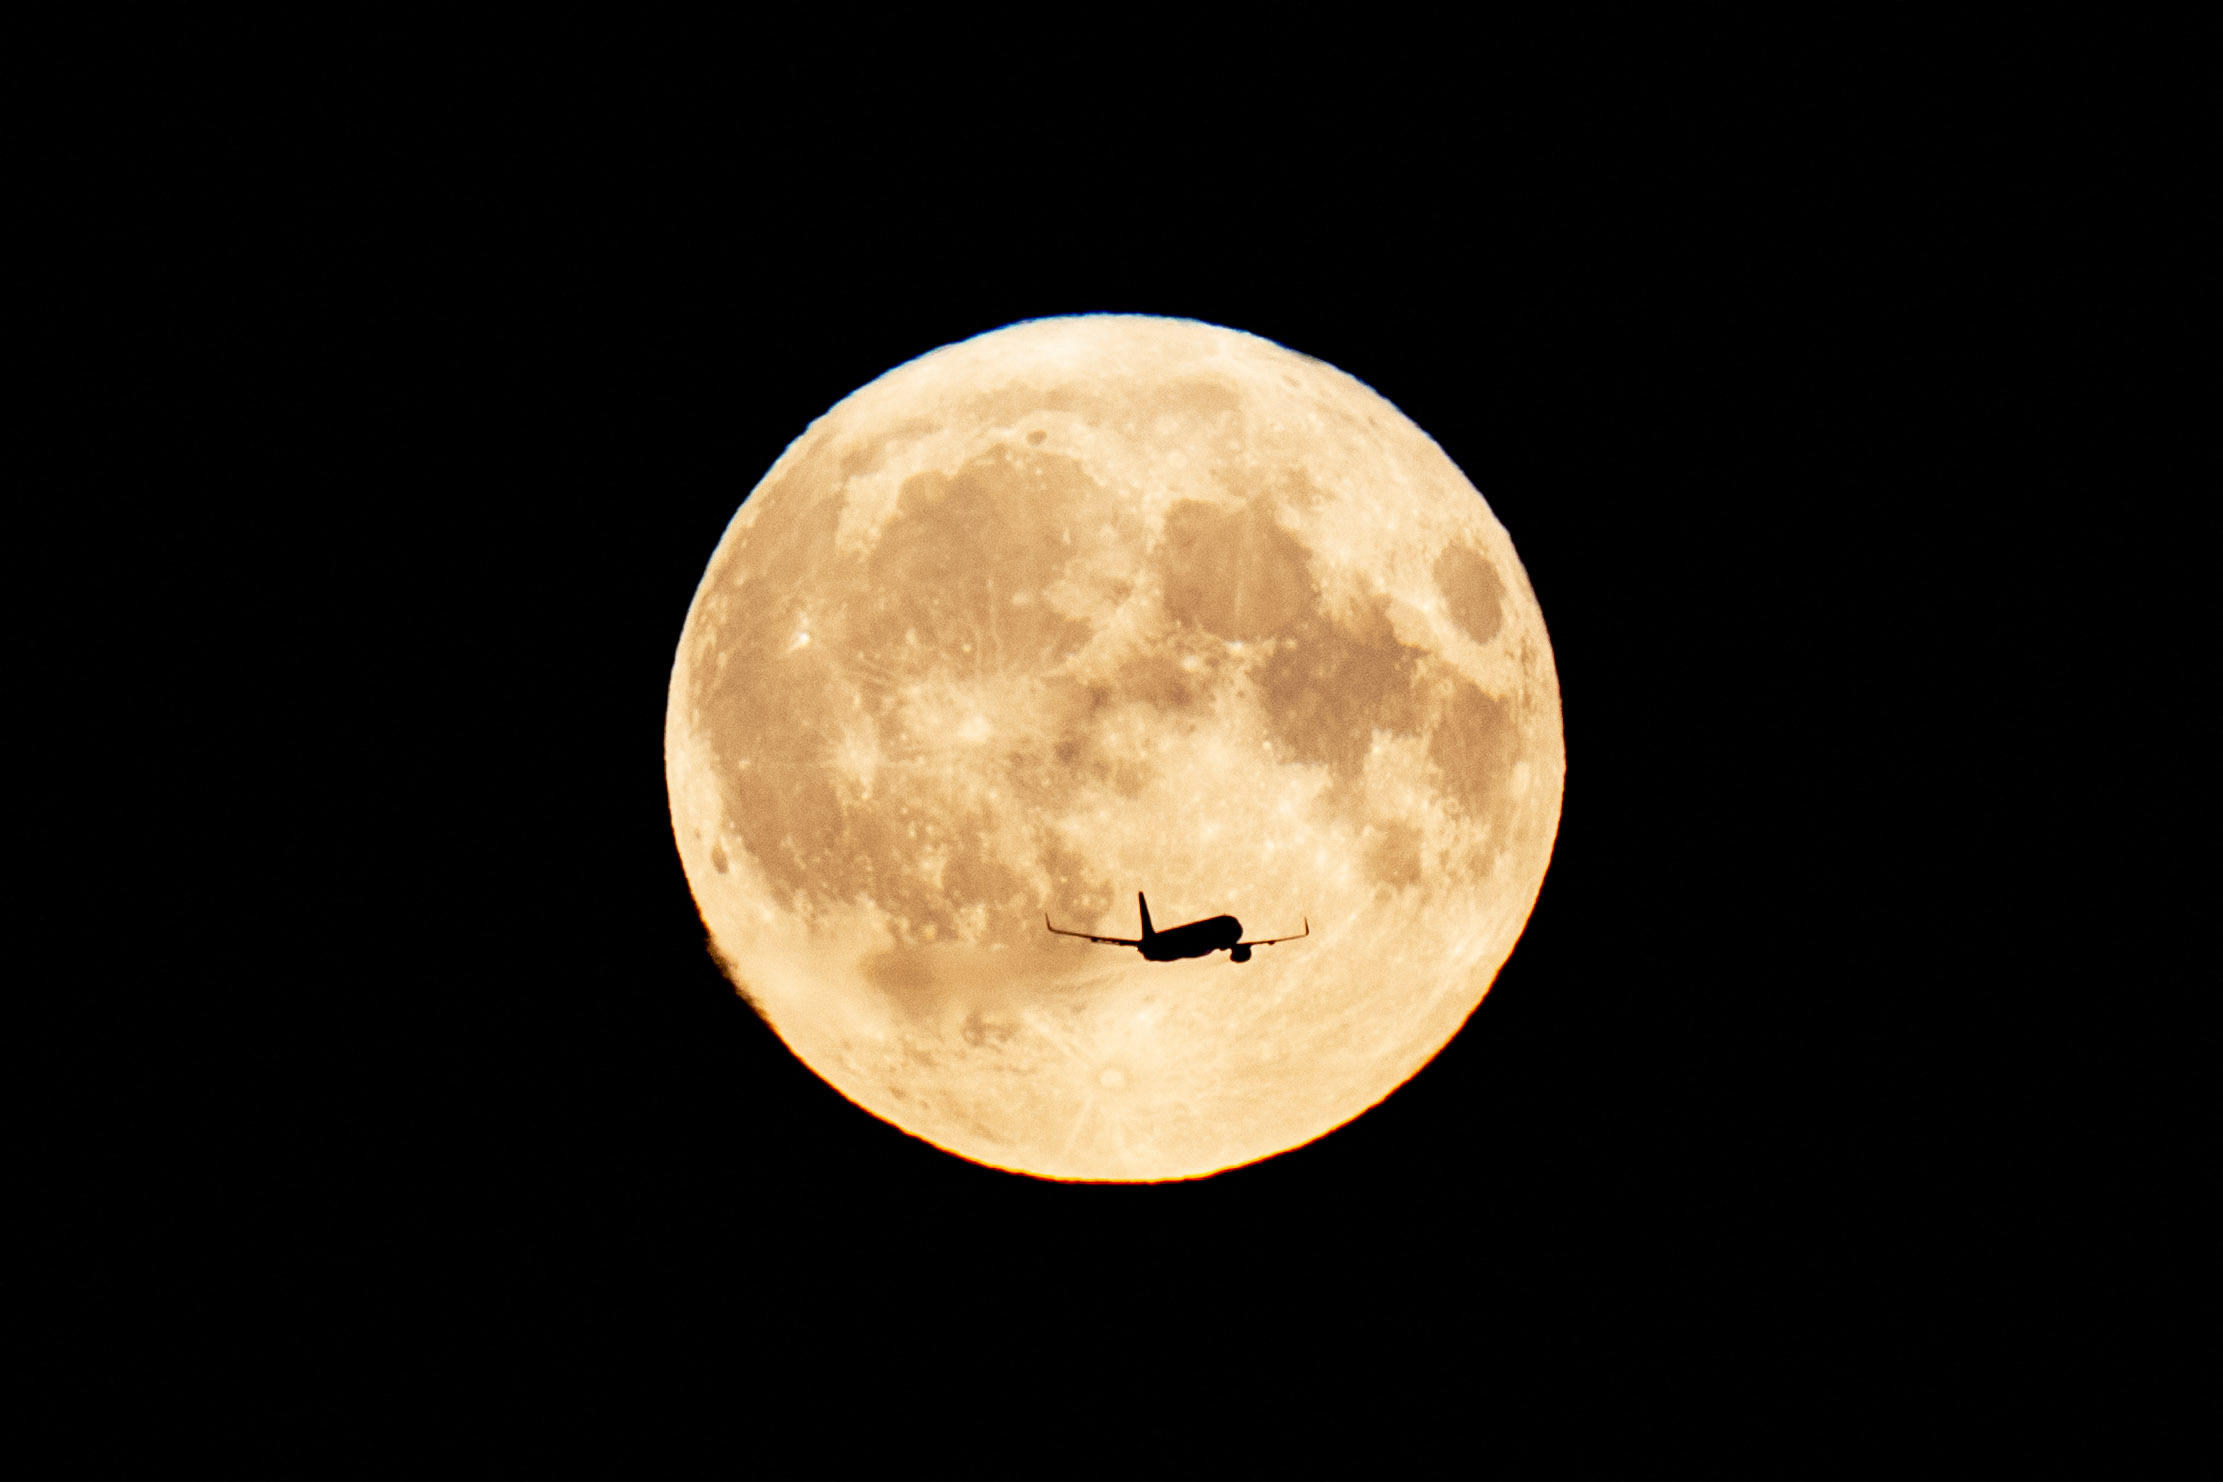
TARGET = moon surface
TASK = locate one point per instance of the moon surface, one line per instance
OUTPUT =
(1088, 606)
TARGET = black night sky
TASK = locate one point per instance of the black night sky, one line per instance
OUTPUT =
(536, 400)
(424, 400)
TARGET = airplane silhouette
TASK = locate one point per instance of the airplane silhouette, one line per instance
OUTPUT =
(1197, 939)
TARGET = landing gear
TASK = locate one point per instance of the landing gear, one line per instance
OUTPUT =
(1240, 954)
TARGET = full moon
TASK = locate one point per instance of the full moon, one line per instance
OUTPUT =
(1088, 607)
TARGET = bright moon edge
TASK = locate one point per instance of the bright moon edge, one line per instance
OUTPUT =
(1086, 606)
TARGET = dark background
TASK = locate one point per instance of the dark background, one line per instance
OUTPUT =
(423, 407)
(511, 402)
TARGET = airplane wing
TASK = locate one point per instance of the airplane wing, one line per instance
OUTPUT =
(1107, 941)
(1269, 941)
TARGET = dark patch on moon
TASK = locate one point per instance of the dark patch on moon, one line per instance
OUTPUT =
(961, 546)
(976, 983)
(1329, 687)
(1472, 591)
(1157, 679)
(1233, 572)
(1474, 743)
(905, 975)
(718, 858)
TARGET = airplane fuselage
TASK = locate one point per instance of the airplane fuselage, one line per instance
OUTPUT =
(1197, 939)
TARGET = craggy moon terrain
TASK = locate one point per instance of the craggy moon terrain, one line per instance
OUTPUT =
(1089, 606)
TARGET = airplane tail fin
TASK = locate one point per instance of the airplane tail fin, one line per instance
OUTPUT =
(1147, 933)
